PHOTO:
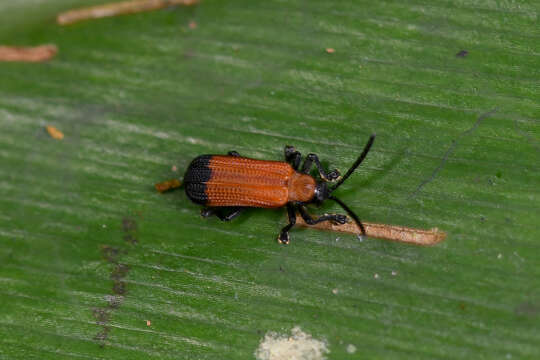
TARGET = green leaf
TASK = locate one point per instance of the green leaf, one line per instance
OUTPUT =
(90, 251)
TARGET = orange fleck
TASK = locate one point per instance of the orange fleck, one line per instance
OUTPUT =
(54, 132)
(330, 50)
(192, 25)
(148, 323)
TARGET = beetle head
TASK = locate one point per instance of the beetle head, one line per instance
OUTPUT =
(323, 192)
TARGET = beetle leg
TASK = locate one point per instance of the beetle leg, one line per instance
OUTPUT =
(234, 212)
(292, 156)
(233, 153)
(335, 218)
(308, 164)
(207, 212)
(283, 237)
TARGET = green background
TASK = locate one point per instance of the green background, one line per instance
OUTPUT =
(89, 251)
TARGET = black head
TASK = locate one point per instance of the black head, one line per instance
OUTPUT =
(323, 191)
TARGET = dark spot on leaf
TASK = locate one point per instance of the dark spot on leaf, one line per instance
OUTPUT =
(102, 335)
(129, 224)
(129, 238)
(498, 174)
(110, 253)
(101, 315)
(462, 306)
(119, 287)
(527, 309)
(115, 301)
(119, 272)
(462, 53)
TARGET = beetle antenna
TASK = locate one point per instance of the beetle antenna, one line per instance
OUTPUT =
(351, 214)
(356, 163)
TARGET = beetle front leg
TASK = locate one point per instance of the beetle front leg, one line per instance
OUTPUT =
(335, 218)
(308, 164)
(283, 237)
(233, 153)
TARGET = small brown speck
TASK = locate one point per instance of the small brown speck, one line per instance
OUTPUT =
(192, 25)
(174, 168)
(148, 323)
(330, 50)
(54, 132)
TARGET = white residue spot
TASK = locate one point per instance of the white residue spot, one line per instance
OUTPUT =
(351, 349)
(394, 273)
(298, 346)
(376, 276)
(499, 256)
(335, 291)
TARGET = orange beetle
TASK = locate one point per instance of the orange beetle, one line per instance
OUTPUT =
(226, 185)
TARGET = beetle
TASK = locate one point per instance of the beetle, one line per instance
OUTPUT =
(227, 184)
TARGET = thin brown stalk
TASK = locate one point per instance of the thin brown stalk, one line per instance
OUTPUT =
(382, 231)
(27, 54)
(168, 185)
(118, 8)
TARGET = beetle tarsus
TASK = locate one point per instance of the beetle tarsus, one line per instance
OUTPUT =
(283, 236)
(340, 219)
(334, 218)
(233, 153)
(314, 159)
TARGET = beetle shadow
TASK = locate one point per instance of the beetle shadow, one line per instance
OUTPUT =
(375, 176)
